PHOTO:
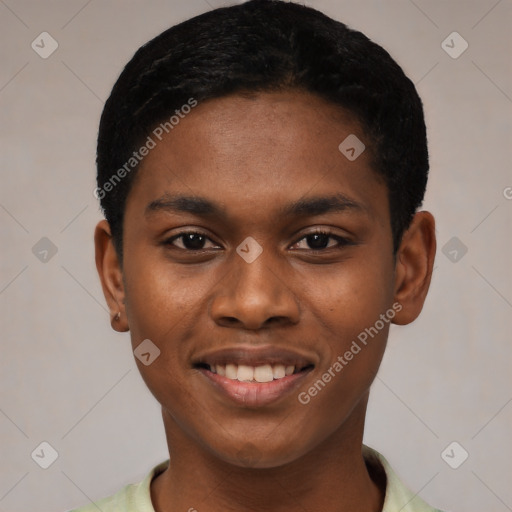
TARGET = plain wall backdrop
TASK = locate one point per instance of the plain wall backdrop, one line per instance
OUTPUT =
(69, 380)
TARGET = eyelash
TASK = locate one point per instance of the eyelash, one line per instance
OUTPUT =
(342, 242)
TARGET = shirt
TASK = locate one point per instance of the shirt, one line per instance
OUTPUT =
(137, 497)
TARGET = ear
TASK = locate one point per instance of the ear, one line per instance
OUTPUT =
(413, 268)
(111, 276)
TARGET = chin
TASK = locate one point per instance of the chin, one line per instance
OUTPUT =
(251, 456)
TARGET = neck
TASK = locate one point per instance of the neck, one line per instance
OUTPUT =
(331, 477)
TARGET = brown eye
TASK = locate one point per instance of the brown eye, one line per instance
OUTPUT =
(319, 240)
(190, 240)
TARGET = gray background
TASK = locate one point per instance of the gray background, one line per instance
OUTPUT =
(71, 381)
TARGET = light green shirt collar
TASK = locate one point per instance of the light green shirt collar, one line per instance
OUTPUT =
(137, 497)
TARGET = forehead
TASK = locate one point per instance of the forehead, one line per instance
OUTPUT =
(260, 150)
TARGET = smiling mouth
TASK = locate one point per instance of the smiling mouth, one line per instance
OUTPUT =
(254, 377)
(257, 374)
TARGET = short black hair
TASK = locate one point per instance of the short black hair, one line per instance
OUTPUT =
(260, 46)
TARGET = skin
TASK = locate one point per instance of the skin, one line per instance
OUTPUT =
(252, 155)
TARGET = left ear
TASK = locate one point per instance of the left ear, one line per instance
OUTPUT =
(414, 264)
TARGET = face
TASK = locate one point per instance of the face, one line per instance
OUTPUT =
(255, 255)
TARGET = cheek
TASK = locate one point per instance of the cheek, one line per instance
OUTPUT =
(165, 378)
(345, 377)
(350, 297)
(353, 307)
(159, 310)
(154, 310)
(157, 299)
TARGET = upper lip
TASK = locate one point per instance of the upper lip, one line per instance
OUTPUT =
(252, 356)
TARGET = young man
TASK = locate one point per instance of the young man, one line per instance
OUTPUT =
(260, 168)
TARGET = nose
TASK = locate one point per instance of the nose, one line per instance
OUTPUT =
(254, 295)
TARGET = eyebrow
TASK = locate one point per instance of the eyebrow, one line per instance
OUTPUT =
(203, 207)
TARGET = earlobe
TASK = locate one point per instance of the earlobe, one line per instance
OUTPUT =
(414, 264)
(111, 276)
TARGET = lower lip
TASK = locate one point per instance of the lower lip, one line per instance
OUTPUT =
(255, 394)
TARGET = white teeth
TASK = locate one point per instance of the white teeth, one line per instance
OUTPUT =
(263, 373)
(231, 371)
(279, 371)
(246, 373)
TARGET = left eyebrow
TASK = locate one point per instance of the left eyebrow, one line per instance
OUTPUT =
(204, 207)
(320, 205)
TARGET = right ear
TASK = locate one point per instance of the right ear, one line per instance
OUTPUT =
(111, 276)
